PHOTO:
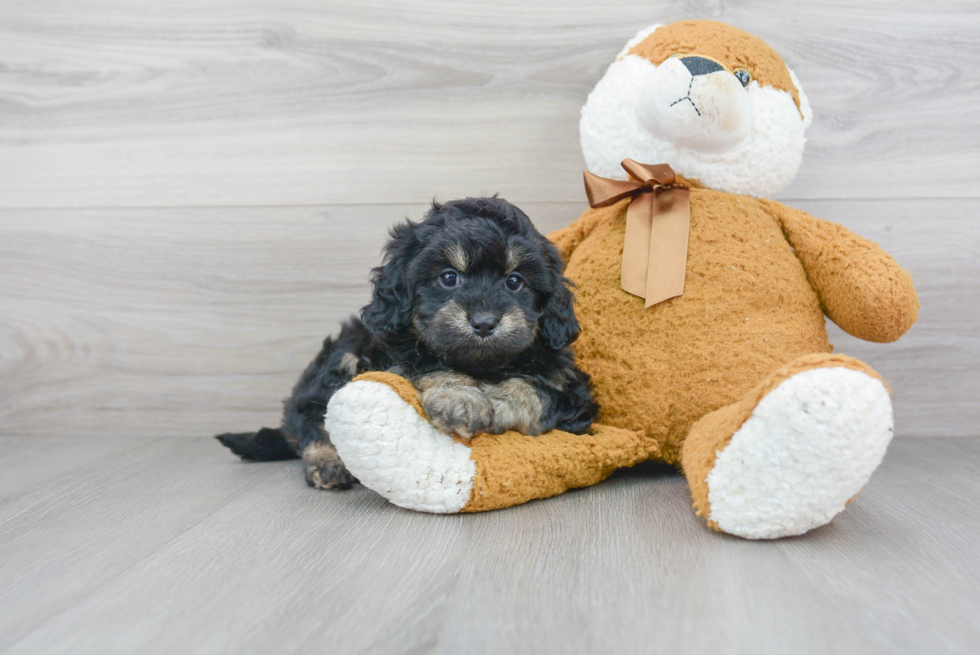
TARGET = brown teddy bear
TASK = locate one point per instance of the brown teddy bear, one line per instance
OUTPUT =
(702, 309)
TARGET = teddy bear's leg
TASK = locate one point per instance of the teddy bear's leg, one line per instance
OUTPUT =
(380, 431)
(790, 455)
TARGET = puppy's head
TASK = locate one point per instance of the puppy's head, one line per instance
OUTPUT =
(475, 283)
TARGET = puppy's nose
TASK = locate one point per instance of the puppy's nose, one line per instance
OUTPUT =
(483, 324)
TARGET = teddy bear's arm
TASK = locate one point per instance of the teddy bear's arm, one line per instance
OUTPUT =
(567, 239)
(860, 286)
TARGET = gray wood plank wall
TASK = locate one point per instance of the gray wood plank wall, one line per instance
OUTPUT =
(191, 193)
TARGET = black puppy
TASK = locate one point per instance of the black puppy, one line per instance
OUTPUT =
(471, 305)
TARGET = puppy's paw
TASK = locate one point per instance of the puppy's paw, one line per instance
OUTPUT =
(460, 410)
(323, 468)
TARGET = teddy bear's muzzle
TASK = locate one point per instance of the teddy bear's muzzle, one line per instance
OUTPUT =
(695, 102)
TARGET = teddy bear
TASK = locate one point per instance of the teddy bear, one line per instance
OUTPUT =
(702, 305)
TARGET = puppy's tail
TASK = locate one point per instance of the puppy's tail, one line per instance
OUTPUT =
(266, 445)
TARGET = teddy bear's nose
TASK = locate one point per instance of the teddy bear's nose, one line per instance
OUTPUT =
(700, 65)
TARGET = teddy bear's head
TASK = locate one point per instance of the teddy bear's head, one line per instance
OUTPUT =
(716, 103)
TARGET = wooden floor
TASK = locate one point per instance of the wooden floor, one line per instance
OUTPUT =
(173, 546)
(191, 195)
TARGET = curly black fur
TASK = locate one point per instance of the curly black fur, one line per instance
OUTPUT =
(472, 289)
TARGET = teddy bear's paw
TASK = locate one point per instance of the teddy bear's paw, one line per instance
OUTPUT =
(396, 452)
(809, 446)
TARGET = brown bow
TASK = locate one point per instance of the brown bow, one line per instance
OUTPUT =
(657, 224)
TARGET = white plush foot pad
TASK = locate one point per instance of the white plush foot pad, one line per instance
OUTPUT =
(392, 450)
(810, 445)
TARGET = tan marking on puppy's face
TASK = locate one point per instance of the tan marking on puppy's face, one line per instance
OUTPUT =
(515, 257)
(454, 316)
(514, 323)
(457, 257)
(729, 46)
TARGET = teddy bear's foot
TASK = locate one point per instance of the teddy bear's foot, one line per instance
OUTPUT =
(380, 430)
(386, 442)
(794, 452)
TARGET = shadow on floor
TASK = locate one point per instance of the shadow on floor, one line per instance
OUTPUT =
(651, 469)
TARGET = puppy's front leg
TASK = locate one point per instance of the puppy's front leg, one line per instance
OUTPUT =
(516, 406)
(455, 403)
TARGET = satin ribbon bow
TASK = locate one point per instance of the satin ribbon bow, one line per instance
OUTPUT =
(657, 224)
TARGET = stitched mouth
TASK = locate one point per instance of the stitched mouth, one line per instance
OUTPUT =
(688, 98)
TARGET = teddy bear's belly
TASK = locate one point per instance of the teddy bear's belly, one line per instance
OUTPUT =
(747, 308)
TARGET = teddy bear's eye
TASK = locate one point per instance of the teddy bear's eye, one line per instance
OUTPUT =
(743, 76)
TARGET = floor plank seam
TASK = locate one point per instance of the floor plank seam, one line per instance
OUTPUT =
(311, 205)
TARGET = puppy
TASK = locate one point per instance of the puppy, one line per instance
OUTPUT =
(470, 304)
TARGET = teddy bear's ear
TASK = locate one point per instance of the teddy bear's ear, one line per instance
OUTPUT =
(559, 327)
(390, 308)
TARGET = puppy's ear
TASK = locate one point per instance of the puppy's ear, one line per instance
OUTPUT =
(390, 309)
(559, 327)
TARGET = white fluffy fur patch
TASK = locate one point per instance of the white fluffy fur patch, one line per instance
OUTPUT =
(395, 452)
(810, 445)
(762, 164)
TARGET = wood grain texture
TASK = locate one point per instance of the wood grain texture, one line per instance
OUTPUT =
(188, 322)
(175, 546)
(57, 464)
(932, 370)
(191, 195)
(120, 103)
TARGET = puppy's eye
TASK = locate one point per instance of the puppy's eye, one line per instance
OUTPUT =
(514, 282)
(449, 278)
(743, 76)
